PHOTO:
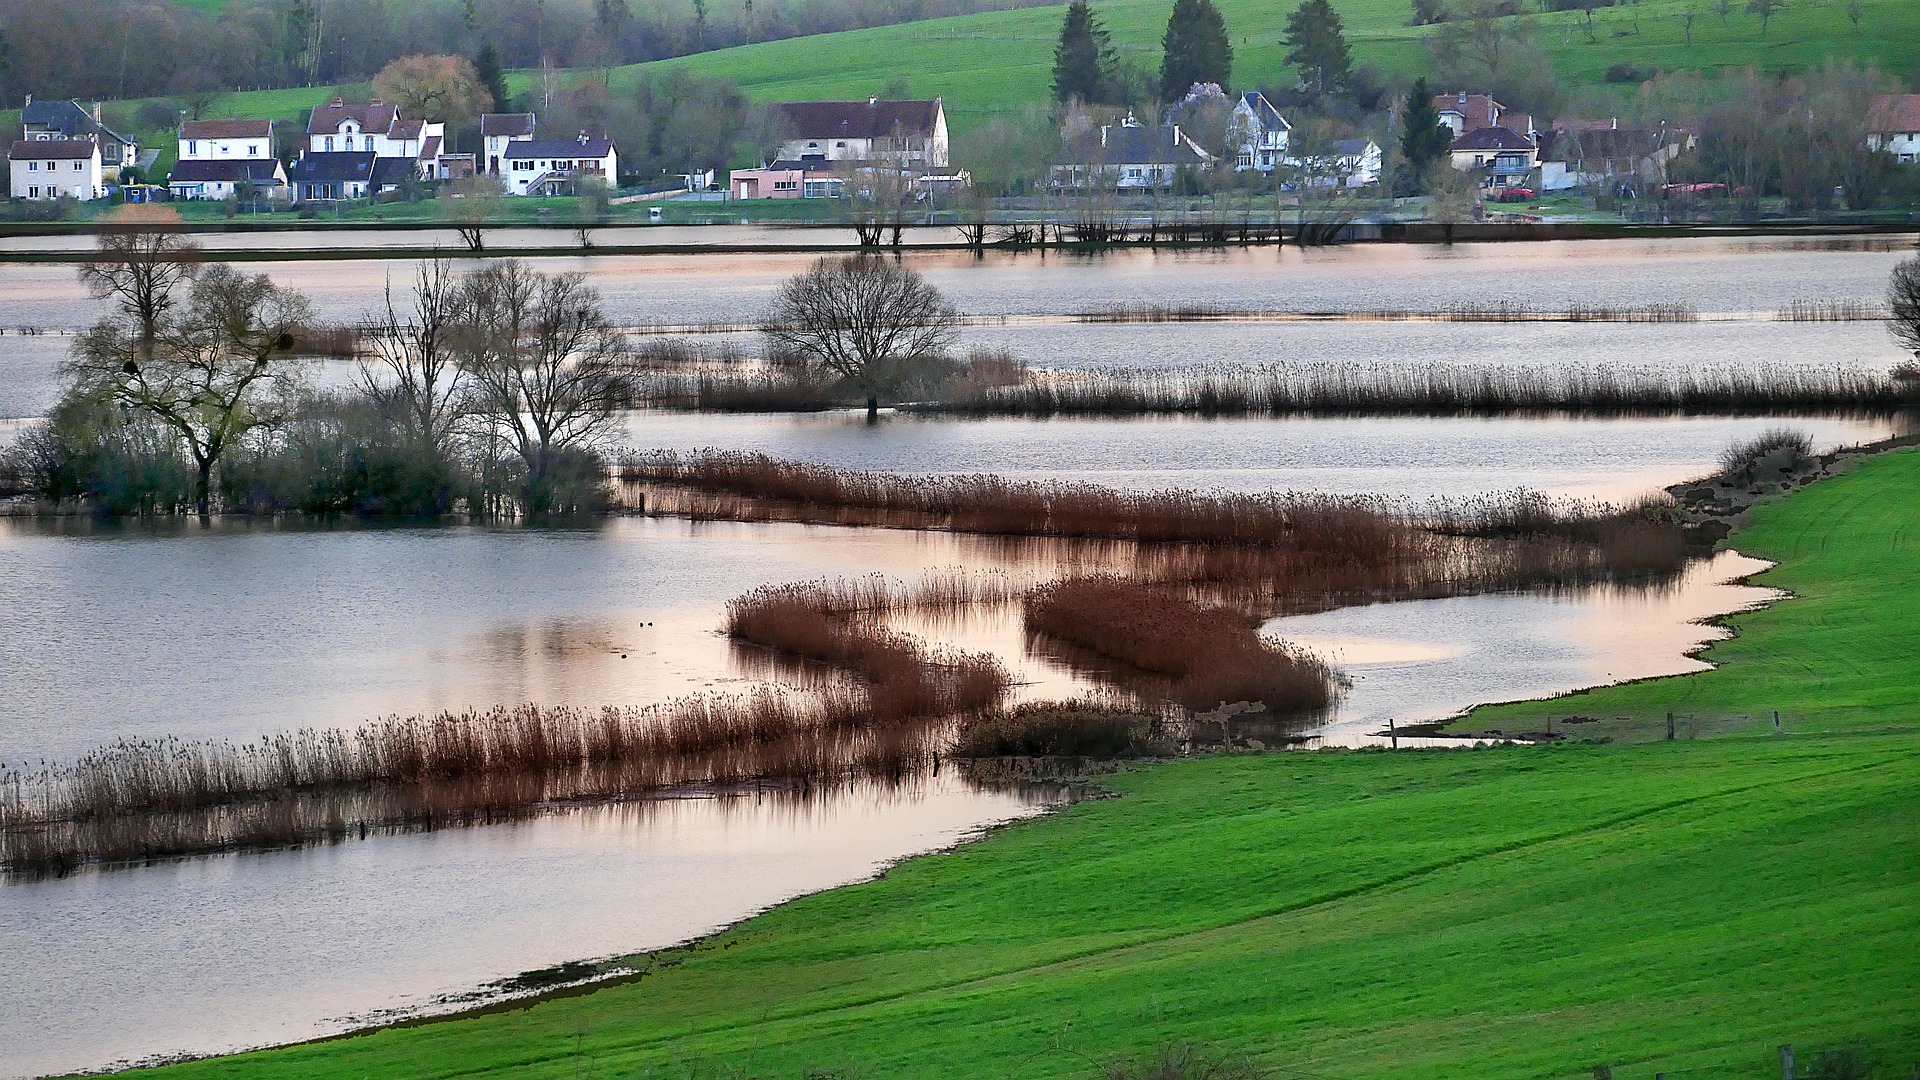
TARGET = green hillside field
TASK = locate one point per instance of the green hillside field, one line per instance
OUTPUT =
(1515, 912)
(996, 64)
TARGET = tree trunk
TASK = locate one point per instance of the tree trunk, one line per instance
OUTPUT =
(873, 410)
(202, 488)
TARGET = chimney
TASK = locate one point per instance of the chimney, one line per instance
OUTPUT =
(338, 102)
(29, 99)
(583, 137)
(374, 101)
(874, 100)
(1103, 136)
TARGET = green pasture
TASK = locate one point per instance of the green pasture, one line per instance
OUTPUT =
(1518, 912)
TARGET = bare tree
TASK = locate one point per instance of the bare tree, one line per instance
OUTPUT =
(1903, 305)
(863, 318)
(549, 374)
(1766, 9)
(409, 370)
(143, 258)
(217, 370)
(471, 204)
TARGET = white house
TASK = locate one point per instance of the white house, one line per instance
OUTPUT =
(1129, 157)
(1586, 155)
(1348, 163)
(907, 134)
(376, 127)
(496, 131)
(218, 156)
(68, 120)
(551, 166)
(1258, 133)
(1503, 157)
(54, 168)
(1896, 125)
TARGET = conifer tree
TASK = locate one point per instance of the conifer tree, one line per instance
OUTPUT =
(1423, 139)
(1317, 45)
(1196, 49)
(1083, 61)
(487, 66)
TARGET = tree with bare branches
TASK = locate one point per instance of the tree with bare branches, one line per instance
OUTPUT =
(863, 318)
(548, 373)
(471, 204)
(408, 368)
(1903, 305)
(215, 370)
(142, 260)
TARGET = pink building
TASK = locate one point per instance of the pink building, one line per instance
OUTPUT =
(776, 181)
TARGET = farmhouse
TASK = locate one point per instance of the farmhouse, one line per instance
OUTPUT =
(1258, 133)
(905, 134)
(1503, 157)
(496, 131)
(1896, 125)
(218, 157)
(68, 120)
(555, 166)
(406, 149)
(1130, 157)
(48, 168)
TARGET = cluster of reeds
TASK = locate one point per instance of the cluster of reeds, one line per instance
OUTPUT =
(827, 623)
(1152, 313)
(1578, 311)
(1077, 729)
(146, 799)
(1403, 389)
(1779, 449)
(1843, 310)
(1197, 656)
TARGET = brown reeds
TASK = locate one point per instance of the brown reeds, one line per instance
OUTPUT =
(1842, 310)
(1196, 656)
(1441, 390)
(1077, 729)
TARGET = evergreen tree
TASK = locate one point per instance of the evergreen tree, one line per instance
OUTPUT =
(1317, 45)
(1083, 61)
(1196, 49)
(487, 66)
(1423, 139)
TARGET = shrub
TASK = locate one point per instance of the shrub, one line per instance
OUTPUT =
(1782, 449)
(1059, 729)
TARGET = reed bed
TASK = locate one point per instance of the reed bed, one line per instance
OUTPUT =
(1579, 311)
(1847, 310)
(1082, 728)
(1403, 389)
(1196, 656)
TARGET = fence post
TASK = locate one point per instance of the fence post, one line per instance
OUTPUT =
(1786, 1055)
(1776, 721)
(1669, 727)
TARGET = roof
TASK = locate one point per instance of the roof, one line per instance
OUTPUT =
(510, 124)
(52, 149)
(1603, 144)
(226, 129)
(430, 148)
(868, 119)
(1137, 145)
(1493, 138)
(258, 170)
(1263, 111)
(1895, 112)
(66, 117)
(391, 171)
(1475, 110)
(559, 148)
(333, 167)
(1354, 147)
(406, 129)
(373, 116)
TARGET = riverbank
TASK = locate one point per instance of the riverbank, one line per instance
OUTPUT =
(1677, 907)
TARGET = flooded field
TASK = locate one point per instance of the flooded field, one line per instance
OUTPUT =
(244, 628)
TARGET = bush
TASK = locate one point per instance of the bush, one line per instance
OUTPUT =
(1060, 729)
(1782, 449)
(1624, 72)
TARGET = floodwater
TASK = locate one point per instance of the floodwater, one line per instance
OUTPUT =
(245, 628)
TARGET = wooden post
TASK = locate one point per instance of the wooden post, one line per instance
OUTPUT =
(1776, 721)
(1786, 1056)
(1393, 733)
(1669, 727)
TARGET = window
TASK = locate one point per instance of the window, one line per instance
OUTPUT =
(33, 193)
(523, 166)
(193, 147)
(253, 150)
(33, 166)
(79, 166)
(329, 144)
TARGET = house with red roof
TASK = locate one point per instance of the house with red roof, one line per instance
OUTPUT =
(402, 148)
(1896, 125)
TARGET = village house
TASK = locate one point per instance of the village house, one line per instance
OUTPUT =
(1464, 112)
(1503, 157)
(1258, 133)
(1601, 155)
(788, 180)
(405, 149)
(1130, 157)
(333, 175)
(1895, 120)
(496, 131)
(555, 166)
(68, 120)
(218, 157)
(905, 134)
(48, 168)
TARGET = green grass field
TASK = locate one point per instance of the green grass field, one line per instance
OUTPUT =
(1523, 912)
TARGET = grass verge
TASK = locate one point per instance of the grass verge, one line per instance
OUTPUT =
(1518, 912)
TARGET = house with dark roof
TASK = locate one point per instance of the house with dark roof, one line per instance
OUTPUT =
(1895, 120)
(48, 168)
(342, 127)
(1464, 111)
(327, 177)
(70, 120)
(496, 131)
(1257, 132)
(1585, 154)
(1129, 157)
(1503, 157)
(555, 166)
(218, 157)
(904, 134)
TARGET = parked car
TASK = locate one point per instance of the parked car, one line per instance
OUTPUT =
(1514, 194)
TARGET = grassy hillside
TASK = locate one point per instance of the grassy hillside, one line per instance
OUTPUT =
(1845, 652)
(1519, 912)
(997, 63)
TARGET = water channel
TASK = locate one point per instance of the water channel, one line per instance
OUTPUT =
(244, 628)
